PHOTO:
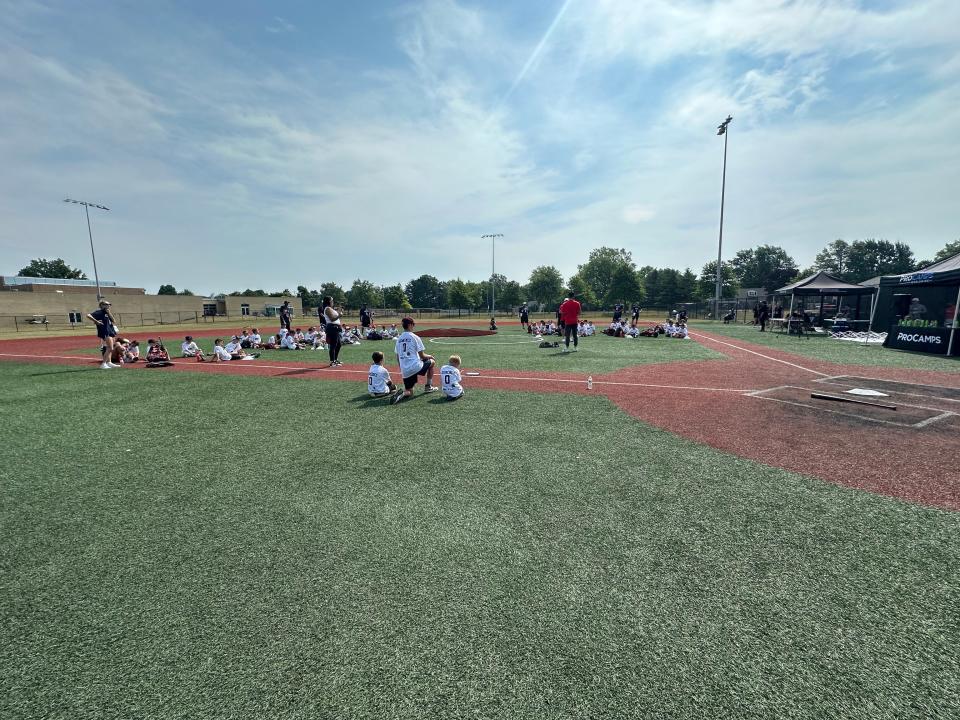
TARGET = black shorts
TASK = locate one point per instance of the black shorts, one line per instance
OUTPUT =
(410, 382)
(524, 318)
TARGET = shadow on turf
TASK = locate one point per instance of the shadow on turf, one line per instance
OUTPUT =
(62, 372)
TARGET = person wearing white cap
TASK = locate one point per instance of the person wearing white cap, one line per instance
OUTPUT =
(106, 331)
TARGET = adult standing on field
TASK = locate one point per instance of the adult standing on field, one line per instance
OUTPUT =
(333, 328)
(570, 314)
(106, 331)
(285, 316)
(524, 316)
(763, 315)
(365, 318)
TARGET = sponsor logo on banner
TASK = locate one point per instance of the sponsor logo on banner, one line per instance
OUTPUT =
(916, 277)
(916, 338)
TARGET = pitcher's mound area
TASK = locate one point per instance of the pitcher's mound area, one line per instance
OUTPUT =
(454, 332)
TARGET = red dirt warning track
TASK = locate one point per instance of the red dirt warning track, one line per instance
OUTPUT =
(733, 404)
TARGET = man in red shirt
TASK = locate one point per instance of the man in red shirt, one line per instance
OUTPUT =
(570, 315)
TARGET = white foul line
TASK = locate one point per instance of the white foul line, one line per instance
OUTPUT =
(752, 352)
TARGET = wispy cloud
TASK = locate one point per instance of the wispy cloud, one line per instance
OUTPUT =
(279, 25)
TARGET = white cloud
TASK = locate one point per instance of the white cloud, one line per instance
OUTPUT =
(279, 25)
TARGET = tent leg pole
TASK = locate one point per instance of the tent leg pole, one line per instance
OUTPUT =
(790, 316)
(873, 307)
(953, 330)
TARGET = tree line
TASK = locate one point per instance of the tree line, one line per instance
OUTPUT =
(610, 275)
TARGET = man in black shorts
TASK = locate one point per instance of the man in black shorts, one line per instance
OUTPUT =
(636, 312)
(414, 362)
(285, 316)
(365, 319)
(524, 316)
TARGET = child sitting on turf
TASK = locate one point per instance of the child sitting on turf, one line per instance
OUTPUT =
(254, 338)
(289, 342)
(157, 354)
(190, 349)
(379, 383)
(450, 379)
(132, 353)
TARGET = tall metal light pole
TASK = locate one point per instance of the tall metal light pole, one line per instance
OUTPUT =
(86, 209)
(721, 130)
(493, 269)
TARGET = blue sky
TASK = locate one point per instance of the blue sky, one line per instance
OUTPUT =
(254, 144)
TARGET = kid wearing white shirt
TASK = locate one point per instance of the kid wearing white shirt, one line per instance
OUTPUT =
(413, 362)
(289, 343)
(190, 348)
(220, 353)
(450, 379)
(379, 383)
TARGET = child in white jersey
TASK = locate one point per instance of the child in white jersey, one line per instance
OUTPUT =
(450, 379)
(379, 383)
(191, 349)
(413, 362)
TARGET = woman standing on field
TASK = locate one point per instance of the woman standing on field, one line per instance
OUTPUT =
(106, 331)
(333, 328)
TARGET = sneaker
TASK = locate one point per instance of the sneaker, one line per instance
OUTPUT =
(396, 397)
(105, 366)
(112, 365)
(429, 389)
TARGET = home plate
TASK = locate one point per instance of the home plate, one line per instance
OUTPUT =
(866, 392)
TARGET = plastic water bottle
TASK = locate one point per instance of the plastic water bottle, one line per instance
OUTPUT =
(590, 382)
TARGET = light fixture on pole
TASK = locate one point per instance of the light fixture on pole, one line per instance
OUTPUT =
(493, 270)
(721, 130)
(86, 209)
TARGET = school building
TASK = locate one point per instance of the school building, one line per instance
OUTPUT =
(55, 302)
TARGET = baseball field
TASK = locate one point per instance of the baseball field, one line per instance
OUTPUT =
(736, 526)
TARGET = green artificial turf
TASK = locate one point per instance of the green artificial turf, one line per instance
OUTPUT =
(509, 349)
(826, 348)
(511, 555)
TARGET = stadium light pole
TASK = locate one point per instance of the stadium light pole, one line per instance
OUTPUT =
(86, 209)
(721, 130)
(493, 269)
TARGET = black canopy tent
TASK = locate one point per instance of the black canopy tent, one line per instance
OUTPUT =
(919, 310)
(824, 285)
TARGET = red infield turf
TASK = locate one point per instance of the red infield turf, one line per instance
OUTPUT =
(754, 403)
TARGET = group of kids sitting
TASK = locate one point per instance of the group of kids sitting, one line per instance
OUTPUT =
(126, 352)
(622, 329)
(585, 328)
(414, 362)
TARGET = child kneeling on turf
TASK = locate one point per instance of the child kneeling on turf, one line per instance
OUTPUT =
(450, 379)
(157, 354)
(379, 383)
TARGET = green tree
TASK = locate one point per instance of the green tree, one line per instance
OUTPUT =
(688, 286)
(510, 296)
(546, 285)
(706, 283)
(185, 292)
(948, 251)
(583, 291)
(167, 290)
(766, 266)
(599, 270)
(395, 297)
(475, 292)
(458, 294)
(426, 292)
(869, 258)
(309, 298)
(624, 286)
(41, 267)
(364, 292)
(834, 259)
(331, 289)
